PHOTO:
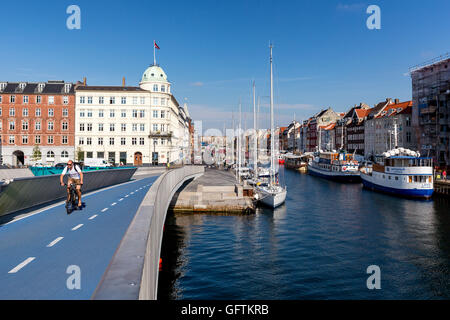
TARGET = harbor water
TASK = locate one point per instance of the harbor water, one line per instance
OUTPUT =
(318, 245)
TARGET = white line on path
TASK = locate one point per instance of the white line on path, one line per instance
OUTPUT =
(120, 199)
(127, 196)
(104, 209)
(23, 264)
(113, 204)
(51, 244)
(77, 227)
(93, 217)
(131, 192)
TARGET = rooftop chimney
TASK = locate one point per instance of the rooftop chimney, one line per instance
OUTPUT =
(84, 81)
(397, 101)
(123, 82)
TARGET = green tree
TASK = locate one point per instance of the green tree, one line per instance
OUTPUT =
(37, 154)
(80, 154)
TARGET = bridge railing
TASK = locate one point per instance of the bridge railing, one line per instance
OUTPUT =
(133, 271)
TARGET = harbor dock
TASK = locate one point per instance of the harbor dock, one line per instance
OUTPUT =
(442, 188)
(214, 192)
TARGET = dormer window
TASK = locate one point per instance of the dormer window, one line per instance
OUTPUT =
(3, 86)
(67, 87)
(22, 85)
(41, 87)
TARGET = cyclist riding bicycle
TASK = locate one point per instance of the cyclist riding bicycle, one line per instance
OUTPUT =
(75, 177)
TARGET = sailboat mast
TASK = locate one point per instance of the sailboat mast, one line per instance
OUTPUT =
(240, 141)
(255, 137)
(272, 133)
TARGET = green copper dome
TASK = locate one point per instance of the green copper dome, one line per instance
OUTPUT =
(154, 73)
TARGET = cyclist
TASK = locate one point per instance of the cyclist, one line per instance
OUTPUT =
(75, 177)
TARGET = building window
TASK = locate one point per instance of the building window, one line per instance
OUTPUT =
(12, 139)
(155, 101)
(134, 141)
(64, 140)
(123, 127)
(82, 113)
(65, 100)
(50, 154)
(89, 141)
(38, 99)
(155, 113)
(37, 139)
(101, 100)
(24, 139)
(51, 112)
(25, 112)
(101, 113)
(38, 112)
(142, 127)
(163, 88)
(142, 100)
(24, 125)
(89, 100)
(111, 127)
(89, 154)
(123, 141)
(89, 113)
(64, 154)
(163, 101)
(112, 113)
(134, 127)
(89, 127)
(141, 113)
(100, 141)
(25, 99)
(135, 113)
(37, 125)
(50, 139)
(163, 114)
(100, 155)
(111, 141)
(123, 100)
(12, 112)
(81, 140)
(12, 99)
(135, 100)
(112, 100)
(155, 127)
(65, 112)
(123, 113)
(141, 141)
(50, 125)
(155, 87)
(51, 100)
(12, 125)
(408, 136)
(100, 127)
(82, 100)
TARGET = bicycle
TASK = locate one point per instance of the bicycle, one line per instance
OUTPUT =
(72, 202)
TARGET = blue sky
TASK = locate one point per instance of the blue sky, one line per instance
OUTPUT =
(324, 55)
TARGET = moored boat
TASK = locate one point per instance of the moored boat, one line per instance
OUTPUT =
(400, 172)
(339, 166)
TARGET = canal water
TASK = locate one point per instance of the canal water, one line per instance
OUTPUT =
(316, 246)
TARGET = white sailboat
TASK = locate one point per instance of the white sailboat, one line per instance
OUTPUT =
(272, 194)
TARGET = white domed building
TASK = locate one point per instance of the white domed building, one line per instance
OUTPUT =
(132, 125)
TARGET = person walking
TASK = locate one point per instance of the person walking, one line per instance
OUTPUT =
(444, 175)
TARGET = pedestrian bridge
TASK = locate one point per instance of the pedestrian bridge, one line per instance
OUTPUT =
(108, 250)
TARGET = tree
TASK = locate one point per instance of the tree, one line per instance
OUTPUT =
(80, 154)
(37, 154)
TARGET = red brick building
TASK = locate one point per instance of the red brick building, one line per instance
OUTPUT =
(37, 118)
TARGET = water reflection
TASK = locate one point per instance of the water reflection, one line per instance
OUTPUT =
(316, 246)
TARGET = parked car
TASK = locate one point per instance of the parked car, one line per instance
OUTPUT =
(60, 165)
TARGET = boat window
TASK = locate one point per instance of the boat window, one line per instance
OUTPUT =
(429, 179)
(410, 179)
(396, 178)
(415, 178)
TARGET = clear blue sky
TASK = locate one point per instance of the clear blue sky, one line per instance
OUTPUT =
(324, 55)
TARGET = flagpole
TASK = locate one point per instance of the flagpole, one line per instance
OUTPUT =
(154, 52)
